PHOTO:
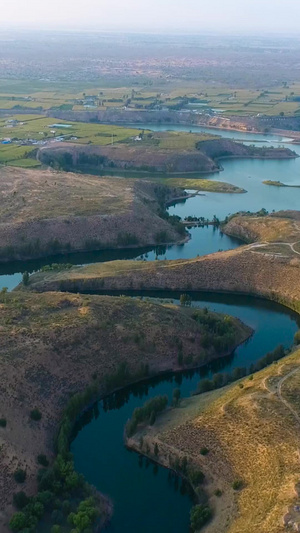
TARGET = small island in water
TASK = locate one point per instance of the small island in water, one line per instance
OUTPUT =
(279, 184)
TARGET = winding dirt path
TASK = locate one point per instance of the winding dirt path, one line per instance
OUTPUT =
(279, 393)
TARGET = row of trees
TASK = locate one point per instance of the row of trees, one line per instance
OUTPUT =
(62, 492)
(221, 379)
(147, 413)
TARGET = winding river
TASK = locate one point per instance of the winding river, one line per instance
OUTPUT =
(146, 497)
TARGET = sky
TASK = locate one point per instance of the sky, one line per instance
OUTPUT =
(271, 16)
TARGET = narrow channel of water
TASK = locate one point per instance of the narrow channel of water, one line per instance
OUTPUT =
(203, 241)
(145, 498)
(247, 174)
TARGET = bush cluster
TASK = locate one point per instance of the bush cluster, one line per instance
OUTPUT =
(220, 380)
(147, 413)
(199, 516)
(60, 488)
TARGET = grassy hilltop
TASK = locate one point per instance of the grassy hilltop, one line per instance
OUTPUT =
(44, 213)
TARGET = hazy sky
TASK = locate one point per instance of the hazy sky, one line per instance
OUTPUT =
(154, 15)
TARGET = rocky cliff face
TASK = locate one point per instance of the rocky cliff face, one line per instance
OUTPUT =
(145, 158)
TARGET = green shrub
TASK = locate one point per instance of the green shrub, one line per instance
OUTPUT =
(20, 500)
(35, 414)
(204, 451)
(218, 493)
(237, 484)
(196, 477)
(20, 475)
(176, 397)
(42, 460)
(152, 418)
(2, 422)
(297, 337)
(199, 516)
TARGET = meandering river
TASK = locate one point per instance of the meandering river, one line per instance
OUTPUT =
(146, 498)
(245, 173)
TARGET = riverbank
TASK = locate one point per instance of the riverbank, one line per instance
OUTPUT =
(241, 271)
(66, 342)
(232, 424)
(44, 213)
(167, 153)
(202, 185)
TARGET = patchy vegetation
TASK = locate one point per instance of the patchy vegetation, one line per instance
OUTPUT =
(53, 346)
(44, 213)
(203, 185)
(151, 157)
(246, 489)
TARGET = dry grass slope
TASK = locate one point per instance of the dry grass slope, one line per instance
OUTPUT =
(252, 435)
(52, 345)
(43, 213)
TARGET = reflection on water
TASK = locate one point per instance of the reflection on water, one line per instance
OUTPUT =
(143, 496)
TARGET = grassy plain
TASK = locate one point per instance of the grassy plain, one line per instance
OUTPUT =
(29, 195)
(203, 185)
(37, 94)
(45, 213)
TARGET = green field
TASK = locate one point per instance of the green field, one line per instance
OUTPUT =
(41, 95)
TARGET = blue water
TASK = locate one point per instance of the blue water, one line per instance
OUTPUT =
(247, 174)
(144, 497)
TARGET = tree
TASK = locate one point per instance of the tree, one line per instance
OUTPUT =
(152, 418)
(85, 515)
(25, 278)
(20, 475)
(18, 522)
(185, 300)
(176, 397)
(200, 514)
(156, 450)
(20, 499)
(56, 529)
